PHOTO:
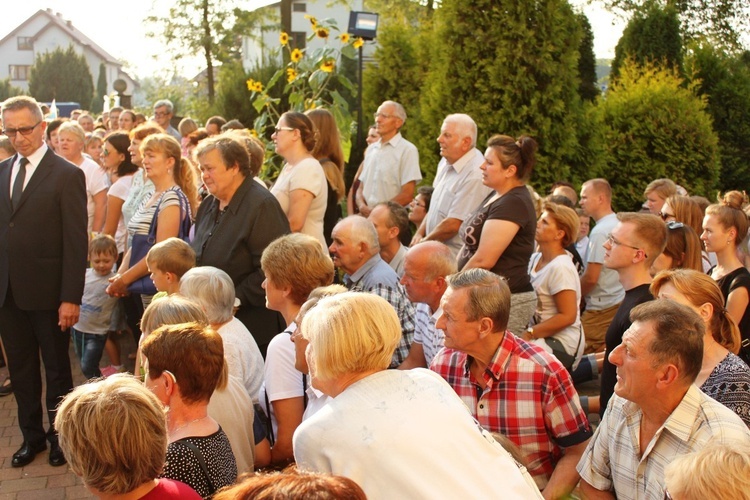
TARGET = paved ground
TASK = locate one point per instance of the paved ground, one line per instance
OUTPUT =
(39, 480)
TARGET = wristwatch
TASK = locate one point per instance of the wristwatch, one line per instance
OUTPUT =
(530, 331)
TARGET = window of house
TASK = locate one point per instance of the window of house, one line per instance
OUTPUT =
(299, 7)
(19, 72)
(299, 39)
(25, 43)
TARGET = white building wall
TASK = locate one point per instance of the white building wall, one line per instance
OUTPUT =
(255, 49)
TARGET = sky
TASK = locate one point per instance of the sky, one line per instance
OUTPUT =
(119, 28)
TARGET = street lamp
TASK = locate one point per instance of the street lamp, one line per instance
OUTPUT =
(365, 26)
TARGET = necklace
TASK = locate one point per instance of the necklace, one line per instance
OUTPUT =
(188, 423)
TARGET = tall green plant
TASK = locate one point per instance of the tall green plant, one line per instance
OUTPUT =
(101, 90)
(652, 35)
(308, 81)
(514, 68)
(724, 80)
(62, 74)
(654, 126)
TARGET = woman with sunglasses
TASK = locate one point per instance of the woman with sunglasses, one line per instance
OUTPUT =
(683, 250)
(301, 188)
(724, 228)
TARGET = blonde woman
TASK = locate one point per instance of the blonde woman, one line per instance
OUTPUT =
(723, 376)
(171, 202)
(724, 228)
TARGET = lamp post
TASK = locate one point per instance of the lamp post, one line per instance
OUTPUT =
(365, 26)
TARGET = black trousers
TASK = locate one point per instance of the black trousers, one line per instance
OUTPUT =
(25, 334)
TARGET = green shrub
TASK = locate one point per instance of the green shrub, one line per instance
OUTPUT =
(654, 126)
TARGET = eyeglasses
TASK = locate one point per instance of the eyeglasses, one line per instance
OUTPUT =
(417, 204)
(105, 152)
(675, 225)
(159, 114)
(615, 242)
(11, 132)
(666, 216)
(279, 129)
(383, 115)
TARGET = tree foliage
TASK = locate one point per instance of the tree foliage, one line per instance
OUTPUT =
(211, 28)
(7, 90)
(62, 74)
(311, 79)
(97, 103)
(588, 88)
(725, 81)
(652, 35)
(724, 22)
(655, 127)
(513, 67)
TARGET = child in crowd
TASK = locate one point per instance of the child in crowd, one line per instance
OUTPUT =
(90, 333)
(167, 262)
(582, 243)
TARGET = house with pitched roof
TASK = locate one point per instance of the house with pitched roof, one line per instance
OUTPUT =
(44, 32)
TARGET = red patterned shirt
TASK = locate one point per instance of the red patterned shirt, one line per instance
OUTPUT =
(529, 397)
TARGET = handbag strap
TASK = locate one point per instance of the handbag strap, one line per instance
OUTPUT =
(201, 461)
(184, 205)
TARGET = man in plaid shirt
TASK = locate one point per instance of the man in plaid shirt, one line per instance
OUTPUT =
(510, 386)
(657, 412)
(356, 251)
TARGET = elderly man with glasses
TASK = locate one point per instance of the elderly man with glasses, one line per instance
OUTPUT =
(43, 252)
(163, 113)
(391, 168)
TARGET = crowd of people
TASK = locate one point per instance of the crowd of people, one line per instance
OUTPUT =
(299, 328)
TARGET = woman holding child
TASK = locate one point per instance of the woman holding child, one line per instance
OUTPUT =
(168, 207)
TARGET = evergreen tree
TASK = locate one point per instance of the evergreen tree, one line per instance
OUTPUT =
(513, 67)
(655, 127)
(725, 81)
(63, 75)
(7, 90)
(97, 103)
(588, 89)
(652, 35)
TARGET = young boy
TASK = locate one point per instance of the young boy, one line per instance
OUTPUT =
(90, 333)
(168, 261)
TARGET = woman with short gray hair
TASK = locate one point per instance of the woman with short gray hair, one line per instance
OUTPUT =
(213, 290)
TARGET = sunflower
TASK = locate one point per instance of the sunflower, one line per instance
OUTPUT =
(328, 65)
(322, 32)
(291, 75)
(253, 132)
(283, 38)
(358, 42)
(296, 55)
(250, 84)
(344, 37)
(258, 87)
(312, 20)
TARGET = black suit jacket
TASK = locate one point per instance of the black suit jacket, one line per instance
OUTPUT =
(44, 242)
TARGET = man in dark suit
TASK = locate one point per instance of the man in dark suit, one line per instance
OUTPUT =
(43, 250)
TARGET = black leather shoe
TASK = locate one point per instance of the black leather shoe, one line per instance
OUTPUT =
(25, 455)
(56, 456)
(6, 389)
